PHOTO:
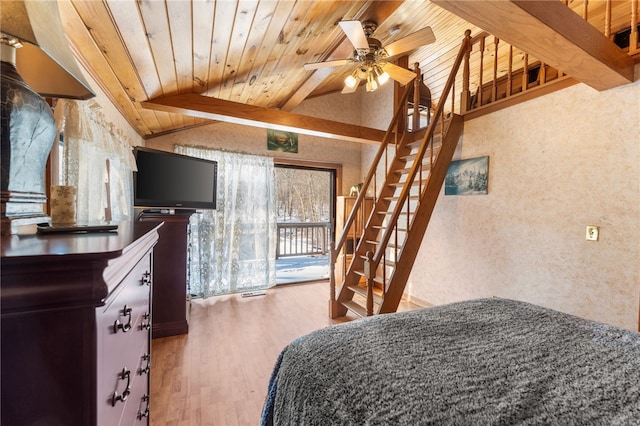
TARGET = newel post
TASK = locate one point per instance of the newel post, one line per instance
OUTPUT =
(333, 306)
(369, 276)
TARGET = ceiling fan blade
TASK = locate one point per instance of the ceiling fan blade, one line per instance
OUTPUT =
(355, 34)
(399, 74)
(336, 63)
(411, 42)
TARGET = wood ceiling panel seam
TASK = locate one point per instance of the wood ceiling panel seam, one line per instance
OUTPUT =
(202, 24)
(272, 37)
(181, 34)
(88, 53)
(156, 24)
(108, 40)
(270, 71)
(245, 15)
(225, 12)
(269, 40)
(165, 121)
(247, 65)
(128, 20)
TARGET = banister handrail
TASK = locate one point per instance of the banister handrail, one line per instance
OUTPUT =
(372, 171)
(386, 235)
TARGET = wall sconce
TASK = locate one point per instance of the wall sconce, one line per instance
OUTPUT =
(36, 61)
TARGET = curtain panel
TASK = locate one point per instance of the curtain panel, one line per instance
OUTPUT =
(232, 248)
(95, 153)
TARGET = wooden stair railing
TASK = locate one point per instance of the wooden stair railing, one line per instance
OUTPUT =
(413, 171)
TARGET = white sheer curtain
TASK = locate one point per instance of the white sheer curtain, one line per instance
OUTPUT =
(90, 142)
(233, 247)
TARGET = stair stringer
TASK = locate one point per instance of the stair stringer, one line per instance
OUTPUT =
(422, 216)
(351, 279)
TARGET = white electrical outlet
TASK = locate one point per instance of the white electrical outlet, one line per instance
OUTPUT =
(593, 232)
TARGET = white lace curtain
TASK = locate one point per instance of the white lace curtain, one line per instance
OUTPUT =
(233, 247)
(95, 153)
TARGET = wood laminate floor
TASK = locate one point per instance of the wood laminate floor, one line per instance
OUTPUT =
(218, 373)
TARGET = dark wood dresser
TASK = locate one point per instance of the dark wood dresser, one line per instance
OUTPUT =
(75, 327)
(170, 273)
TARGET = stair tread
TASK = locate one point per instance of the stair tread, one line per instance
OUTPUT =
(401, 184)
(385, 227)
(362, 291)
(376, 279)
(411, 197)
(356, 308)
(413, 155)
(406, 170)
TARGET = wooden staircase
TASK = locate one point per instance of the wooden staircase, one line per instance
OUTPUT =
(412, 168)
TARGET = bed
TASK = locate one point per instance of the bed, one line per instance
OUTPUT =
(484, 361)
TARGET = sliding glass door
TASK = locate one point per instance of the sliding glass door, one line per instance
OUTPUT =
(305, 208)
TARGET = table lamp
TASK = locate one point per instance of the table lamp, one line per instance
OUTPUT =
(36, 61)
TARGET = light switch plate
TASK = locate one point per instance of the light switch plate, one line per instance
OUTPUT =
(593, 232)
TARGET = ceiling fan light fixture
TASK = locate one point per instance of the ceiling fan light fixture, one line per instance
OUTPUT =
(381, 76)
(351, 81)
(372, 85)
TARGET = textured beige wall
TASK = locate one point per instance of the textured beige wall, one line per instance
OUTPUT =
(253, 140)
(557, 164)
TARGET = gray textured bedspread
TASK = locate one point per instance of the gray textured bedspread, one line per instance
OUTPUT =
(487, 361)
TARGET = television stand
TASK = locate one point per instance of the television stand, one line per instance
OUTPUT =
(170, 299)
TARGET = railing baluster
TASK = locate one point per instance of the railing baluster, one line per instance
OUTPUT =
(481, 77)
(585, 10)
(525, 72)
(494, 85)
(607, 19)
(509, 73)
(633, 37)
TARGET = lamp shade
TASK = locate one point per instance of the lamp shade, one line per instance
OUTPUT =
(45, 61)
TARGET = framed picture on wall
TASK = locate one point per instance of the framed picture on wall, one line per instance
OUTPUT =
(278, 140)
(467, 177)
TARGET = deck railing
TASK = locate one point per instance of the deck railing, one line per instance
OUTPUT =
(303, 238)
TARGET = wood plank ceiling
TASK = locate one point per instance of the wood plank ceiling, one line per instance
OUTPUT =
(246, 51)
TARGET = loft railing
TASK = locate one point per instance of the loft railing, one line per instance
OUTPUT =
(498, 75)
(618, 20)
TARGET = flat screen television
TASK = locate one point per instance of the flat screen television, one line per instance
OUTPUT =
(166, 180)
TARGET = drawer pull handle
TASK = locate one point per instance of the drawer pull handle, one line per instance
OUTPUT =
(145, 413)
(147, 325)
(146, 278)
(146, 357)
(124, 374)
(126, 311)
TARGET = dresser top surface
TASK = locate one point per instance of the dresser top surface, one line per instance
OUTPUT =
(98, 244)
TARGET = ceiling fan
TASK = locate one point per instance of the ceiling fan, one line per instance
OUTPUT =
(374, 60)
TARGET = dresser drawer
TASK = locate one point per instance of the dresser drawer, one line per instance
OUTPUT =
(122, 339)
(136, 411)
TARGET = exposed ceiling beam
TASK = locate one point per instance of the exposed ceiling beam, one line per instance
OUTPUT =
(554, 34)
(378, 12)
(233, 112)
